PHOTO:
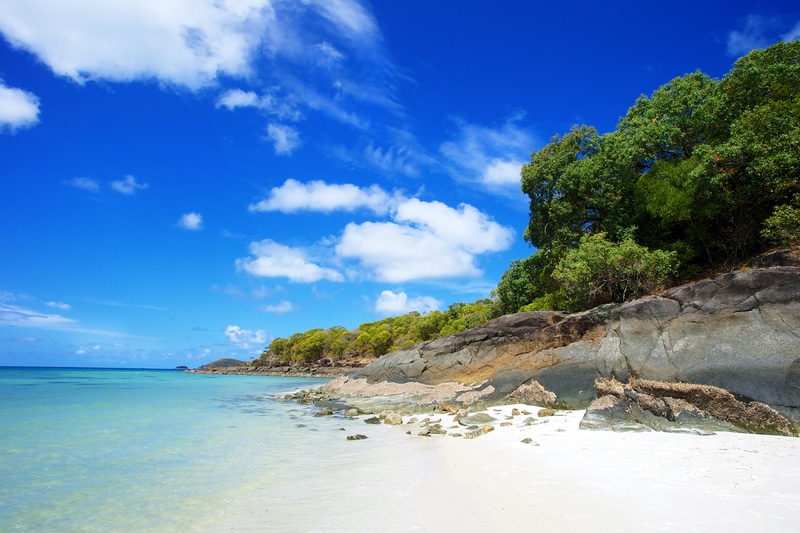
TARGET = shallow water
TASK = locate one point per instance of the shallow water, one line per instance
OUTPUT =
(148, 450)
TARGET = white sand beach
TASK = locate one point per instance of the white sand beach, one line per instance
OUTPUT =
(565, 479)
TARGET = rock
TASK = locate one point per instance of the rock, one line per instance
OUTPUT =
(676, 407)
(545, 412)
(351, 413)
(436, 429)
(533, 393)
(373, 420)
(738, 332)
(477, 418)
(391, 418)
(483, 430)
(505, 424)
(327, 411)
(515, 412)
(357, 436)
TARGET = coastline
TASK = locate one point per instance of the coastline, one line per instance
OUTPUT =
(563, 479)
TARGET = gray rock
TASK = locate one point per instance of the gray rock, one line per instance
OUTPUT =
(477, 418)
(739, 332)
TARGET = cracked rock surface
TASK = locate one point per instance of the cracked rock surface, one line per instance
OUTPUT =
(739, 332)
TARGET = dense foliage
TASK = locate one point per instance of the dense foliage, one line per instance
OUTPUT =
(696, 177)
(374, 338)
(699, 176)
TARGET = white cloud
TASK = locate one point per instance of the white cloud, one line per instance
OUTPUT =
(276, 260)
(11, 315)
(284, 108)
(87, 184)
(245, 338)
(128, 186)
(18, 109)
(278, 309)
(59, 305)
(294, 196)
(285, 138)
(180, 42)
(238, 98)
(491, 157)
(191, 221)
(502, 173)
(426, 240)
(392, 304)
(759, 32)
(793, 34)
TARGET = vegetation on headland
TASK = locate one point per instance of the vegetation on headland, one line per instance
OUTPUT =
(695, 178)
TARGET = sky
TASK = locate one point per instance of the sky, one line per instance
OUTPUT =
(186, 180)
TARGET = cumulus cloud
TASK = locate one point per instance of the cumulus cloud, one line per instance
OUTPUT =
(18, 109)
(279, 308)
(59, 305)
(238, 98)
(245, 338)
(191, 221)
(87, 184)
(491, 157)
(423, 240)
(128, 186)
(187, 42)
(270, 259)
(390, 303)
(285, 139)
(426, 240)
(294, 196)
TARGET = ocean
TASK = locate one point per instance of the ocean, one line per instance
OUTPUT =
(89, 450)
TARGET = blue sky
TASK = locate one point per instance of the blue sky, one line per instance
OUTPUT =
(185, 180)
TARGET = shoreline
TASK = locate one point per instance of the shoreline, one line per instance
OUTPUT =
(563, 479)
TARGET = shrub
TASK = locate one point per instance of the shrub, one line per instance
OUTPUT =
(599, 271)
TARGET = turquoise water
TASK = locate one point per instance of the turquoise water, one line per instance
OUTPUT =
(145, 450)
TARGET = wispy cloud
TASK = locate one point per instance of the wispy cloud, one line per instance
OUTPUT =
(760, 32)
(19, 109)
(280, 308)
(129, 185)
(285, 139)
(15, 316)
(490, 157)
(87, 184)
(191, 221)
(59, 305)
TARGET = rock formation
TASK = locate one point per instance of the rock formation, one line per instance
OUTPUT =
(738, 332)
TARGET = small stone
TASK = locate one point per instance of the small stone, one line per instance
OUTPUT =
(351, 413)
(456, 435)
(357, 436)
(529, 421)
(546, 412)
(515, 412)
(372, 420)
(392, 418)
(505, 424)
(412, 420)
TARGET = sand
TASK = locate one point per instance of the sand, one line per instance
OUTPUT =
(566, 479)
